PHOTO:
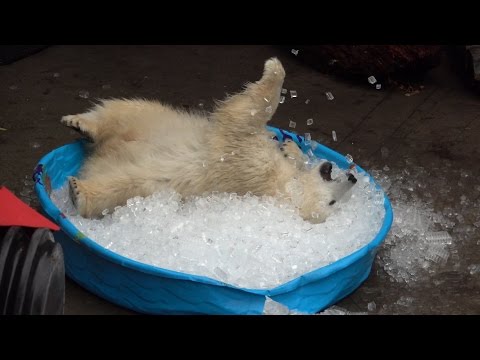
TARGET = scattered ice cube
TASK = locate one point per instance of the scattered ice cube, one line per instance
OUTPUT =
(439, 237)
(307, 101)
(378, 86)
(273, 307)
(284, 91)
(372, 80)
(282, 99)
(437, 255)
(405, 301)
(309, 121)
(292, 124)
(349, 158)
(329, 95)
(334, 310)
(384, 152)
(293, 93)
(268, 109)
(371, 306)
(266, 100)
(474, 269)
(295, 52)
(84, 94)
(334, 135)
(308, 137)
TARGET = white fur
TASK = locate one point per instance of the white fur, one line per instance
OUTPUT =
(140, 147)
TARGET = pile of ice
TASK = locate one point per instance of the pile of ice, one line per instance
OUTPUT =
(422, 239)
(246, 241)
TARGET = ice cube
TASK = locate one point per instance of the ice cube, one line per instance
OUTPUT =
(384, 151)
(334, 310)
(84, 94)
(334, 135)
(439, 237)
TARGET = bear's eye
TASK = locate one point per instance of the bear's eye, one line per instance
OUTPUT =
(326, 171)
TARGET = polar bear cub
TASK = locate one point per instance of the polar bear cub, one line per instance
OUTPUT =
(141, 147)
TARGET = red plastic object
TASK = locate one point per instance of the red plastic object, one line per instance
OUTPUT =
(14, 212)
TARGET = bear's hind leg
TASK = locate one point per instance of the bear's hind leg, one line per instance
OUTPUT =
(86, 124)
(93, 195)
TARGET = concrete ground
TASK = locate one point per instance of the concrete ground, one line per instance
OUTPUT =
(428, 141)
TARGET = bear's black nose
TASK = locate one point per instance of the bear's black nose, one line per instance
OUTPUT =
(326, 171)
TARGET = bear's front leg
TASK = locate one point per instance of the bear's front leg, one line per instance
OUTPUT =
(255, 106)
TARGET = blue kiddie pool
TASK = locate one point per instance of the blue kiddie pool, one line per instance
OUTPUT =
(153, 290)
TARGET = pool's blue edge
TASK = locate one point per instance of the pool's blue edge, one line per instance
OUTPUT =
(276, 293)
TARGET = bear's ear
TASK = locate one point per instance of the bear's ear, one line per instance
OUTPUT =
(326, 171)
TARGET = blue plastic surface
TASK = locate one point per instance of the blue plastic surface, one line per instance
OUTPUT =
(153, 290)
